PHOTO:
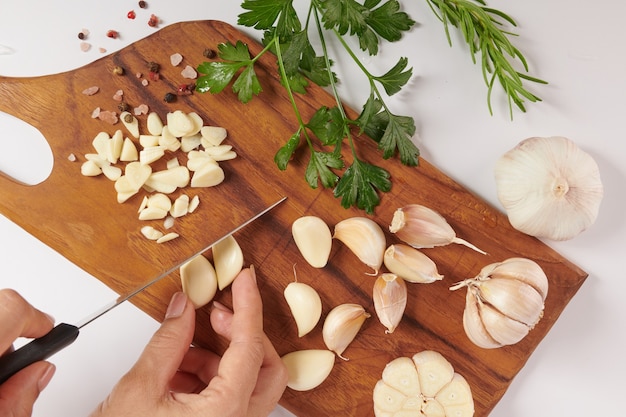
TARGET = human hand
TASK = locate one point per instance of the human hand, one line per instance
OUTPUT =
(19, 319)
(170, 379)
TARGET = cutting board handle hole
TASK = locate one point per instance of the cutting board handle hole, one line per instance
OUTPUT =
(25, 155)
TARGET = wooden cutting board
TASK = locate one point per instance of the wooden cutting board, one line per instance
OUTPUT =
(80, 218)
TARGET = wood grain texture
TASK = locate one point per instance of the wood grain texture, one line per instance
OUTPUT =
(80, 218)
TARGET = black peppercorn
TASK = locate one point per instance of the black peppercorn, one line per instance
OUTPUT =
(153, 66)
(117, 70)
(81, 35)
(209, 53)
(169, 97)
(129, 117)
(123, 106)
(143, 4)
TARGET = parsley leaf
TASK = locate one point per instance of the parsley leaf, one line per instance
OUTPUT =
(394, 79)
(263, 13)
(359, 184)
(388, 22)
(284, 154)
(328, 125)
(318, 169)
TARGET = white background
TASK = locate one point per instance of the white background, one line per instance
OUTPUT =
(578, 46)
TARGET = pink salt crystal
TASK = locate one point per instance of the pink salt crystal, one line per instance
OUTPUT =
(91, 90)
(141, 109)
(138, 75)
(189, 72)
(144, 82)
(176, 59)
(85, 46)
(108, 116)
(95, 113)
(119, 94)
(102, 50)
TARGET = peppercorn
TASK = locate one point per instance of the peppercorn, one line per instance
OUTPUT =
(143, 4)
(113, 34)
(117, 70)
(169, 97)
(131, 14)
(122, 107)
(153, 66)
(209, 53)
(153, 21)
(81, 35)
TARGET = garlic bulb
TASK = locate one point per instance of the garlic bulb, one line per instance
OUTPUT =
(305, 305)
(422, 227)
(390, 297)
(365, 238)
(503, 302)
(307, 369)
(342, 325)
(313, 239)
(425, 385)
(549, 187)
(410, 264)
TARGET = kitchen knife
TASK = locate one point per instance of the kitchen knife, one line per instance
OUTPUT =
(63, 334)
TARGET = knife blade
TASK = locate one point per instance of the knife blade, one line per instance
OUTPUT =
(64, 334)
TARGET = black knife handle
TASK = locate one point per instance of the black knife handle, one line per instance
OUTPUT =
(37, 350)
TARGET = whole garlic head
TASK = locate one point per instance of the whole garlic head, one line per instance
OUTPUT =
(549, 187)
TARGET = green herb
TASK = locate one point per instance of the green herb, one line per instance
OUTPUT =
(483, 32)
(298, 62)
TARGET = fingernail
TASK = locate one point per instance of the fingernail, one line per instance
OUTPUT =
(219, 306)
(177, 306)
(44, 380)
(253, 273)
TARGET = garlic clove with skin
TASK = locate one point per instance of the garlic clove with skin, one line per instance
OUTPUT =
(390, 298)
(365, 238)
(422, 227)
(342, 325)
(549, 187)
(410, 264)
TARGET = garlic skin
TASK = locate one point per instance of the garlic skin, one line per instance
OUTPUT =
(313, 239)
(410, 264)
(365, 238)
(228, 260)
(503, 302)
(342, 325)
(305, 305)
(390, 297)
(425, 385)
(307, 369)
(422, 227)
(549, 187)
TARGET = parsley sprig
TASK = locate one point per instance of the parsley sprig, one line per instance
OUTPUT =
(330, 129)
(482, 29)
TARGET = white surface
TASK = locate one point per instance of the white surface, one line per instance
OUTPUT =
(576, 45)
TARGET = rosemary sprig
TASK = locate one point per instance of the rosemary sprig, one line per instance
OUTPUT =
(482, 30)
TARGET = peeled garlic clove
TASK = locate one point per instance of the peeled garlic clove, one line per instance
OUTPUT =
(199, 280)
(434, 371)
(387, 400)
(390, 297)
(228, 259)
(422, 227)
(456, 397)
(307, 369)
(305, 305)
(313, 239)
(549, 187)
(342, 325)
(401, 375)
(410, 264)
(365, 238)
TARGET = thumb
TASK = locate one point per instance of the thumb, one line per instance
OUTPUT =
(163, 355)
(18, 393)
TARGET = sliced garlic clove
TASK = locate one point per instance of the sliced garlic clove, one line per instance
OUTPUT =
(390, 297)
(151, 233)
(422, 227)
(151, 154)
(137, 174)
(307, 369)
(199, 280)
(208, 176)
(549, 187)
(149, 141)
(342, 325)
(456, 397)
(154, 124)
(90, 169)
(212, 136)
(160, 201)
(365, 238)
(410, 264)
(101, 144)
(228, 259)
(387, 400)
(305, 305)
(401, 375)
(130, 123)
(167, 237)
(129, 151)
(190, 143)
(115, 147)
(179, 123)
(180, 207)
(434, 371)
(313, 239)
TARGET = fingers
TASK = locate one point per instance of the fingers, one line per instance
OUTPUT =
(196, 371)
(19, 318)
(162, 356)
(18, 393)
(271, 377)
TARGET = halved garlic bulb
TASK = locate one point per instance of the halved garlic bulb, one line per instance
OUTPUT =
(424, 385)
(422, 227)
(503, 302)
(410, 264)
(342, 325)
(549, 187)
(313, 239)
(307, 369)
(390, 297)
(199, 280)
(305, 305)
(228, 259)
(365, 238)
